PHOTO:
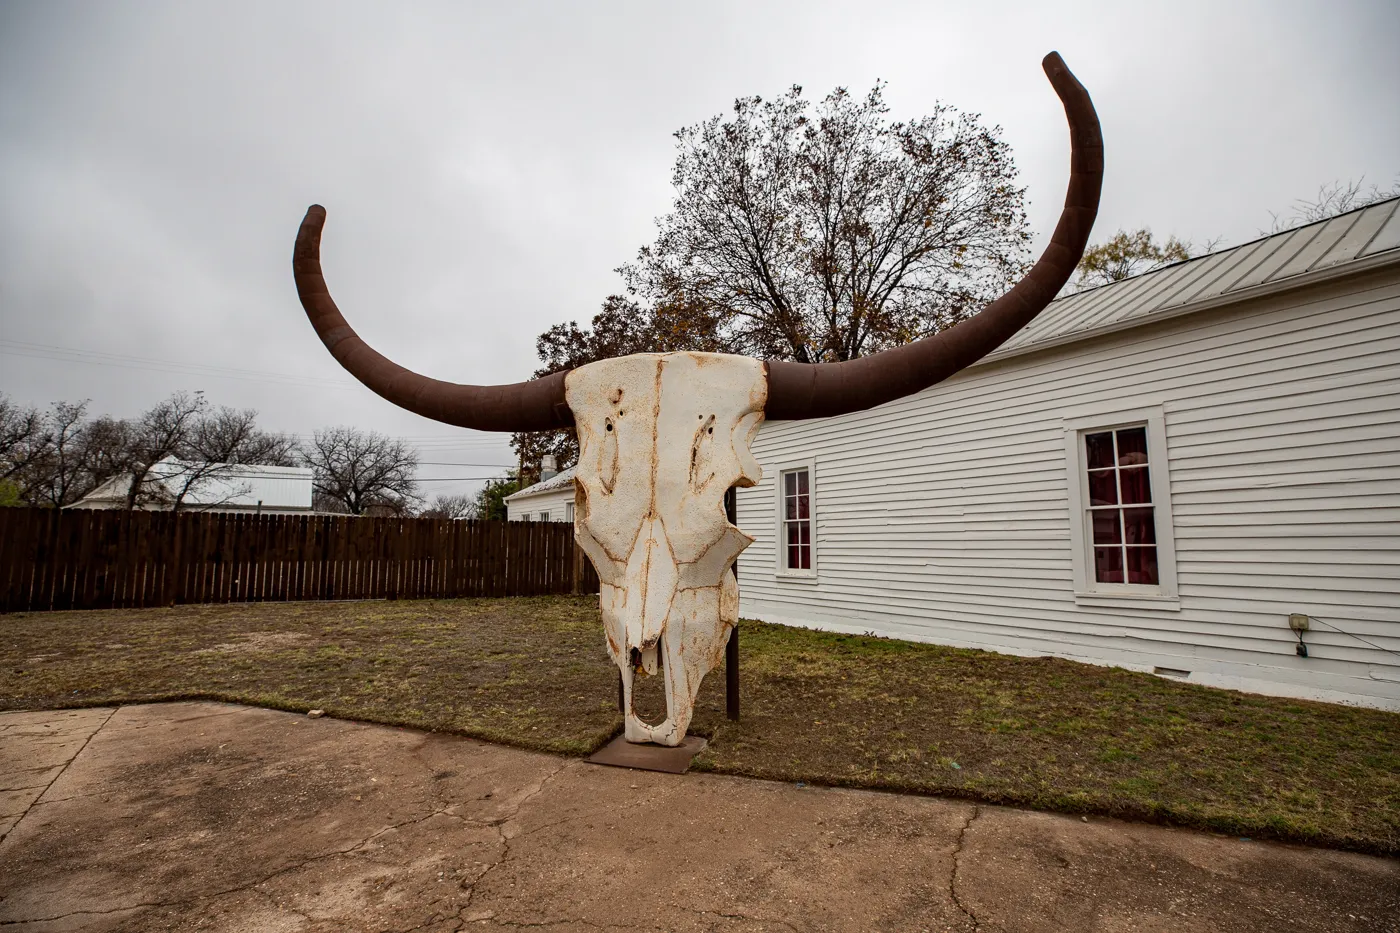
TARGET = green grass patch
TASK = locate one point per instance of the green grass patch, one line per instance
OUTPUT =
(818, 707)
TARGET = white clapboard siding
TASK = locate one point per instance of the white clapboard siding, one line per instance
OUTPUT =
(546, 501)
(552, 506)
(945, 517)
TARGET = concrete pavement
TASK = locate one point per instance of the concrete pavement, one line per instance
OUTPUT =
(203, 816)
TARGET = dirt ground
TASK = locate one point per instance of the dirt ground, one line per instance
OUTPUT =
(205, 816)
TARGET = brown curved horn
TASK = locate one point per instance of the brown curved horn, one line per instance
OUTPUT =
(537, 405)
(819, 390)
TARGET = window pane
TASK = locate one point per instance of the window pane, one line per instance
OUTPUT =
(804, 533)
(805, 555)
(1100, 450)
(1136, 486)
(1132, 447)
(1138, 527)
(1106, 530)
(802, 482)
(1103, 488)
(1108, 564)
(789, 507)
(794, 560)
(1142, 565)
(802, 505)
(789, 484)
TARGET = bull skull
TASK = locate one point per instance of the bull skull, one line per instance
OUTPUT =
(664, 436)
(661, 439)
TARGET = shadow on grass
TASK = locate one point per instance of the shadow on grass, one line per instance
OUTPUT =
(818, 707)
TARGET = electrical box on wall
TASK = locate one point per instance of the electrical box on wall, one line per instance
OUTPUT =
(1298, 621)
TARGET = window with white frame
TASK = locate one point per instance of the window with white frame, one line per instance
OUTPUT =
(1120, 506)
(795, 521)
(568, 511)
(1121, 524)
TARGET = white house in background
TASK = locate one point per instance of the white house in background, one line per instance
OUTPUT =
(550, 500)
(237, 488)
(1154, 474)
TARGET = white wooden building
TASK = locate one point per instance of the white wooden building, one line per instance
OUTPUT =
(231, 488)
(1154, 474)
(550, 500)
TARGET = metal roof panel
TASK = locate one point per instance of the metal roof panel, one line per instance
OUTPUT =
(1226, 273)
(1188, 279)
(1279, 251)
(1326, 238)
(1361, 233)
(1388, 237)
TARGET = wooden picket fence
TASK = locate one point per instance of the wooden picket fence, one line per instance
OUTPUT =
(99, 559)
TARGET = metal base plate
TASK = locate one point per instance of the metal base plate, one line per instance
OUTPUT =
(621, 753)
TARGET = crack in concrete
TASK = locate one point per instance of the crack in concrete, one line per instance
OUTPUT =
(504, 840)
(953, 875)
(62, 771)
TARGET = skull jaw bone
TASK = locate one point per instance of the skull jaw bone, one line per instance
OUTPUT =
(692, 644)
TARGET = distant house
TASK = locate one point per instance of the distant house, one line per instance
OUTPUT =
(232, 488)
(551, 500)
(1163, 473)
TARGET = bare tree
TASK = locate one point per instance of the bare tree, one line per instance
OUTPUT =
(171, 455)
(63, 474)
(106, 444)
(320, 502)
(450, 507)
(363, 470)
(218, 441)
(1336, 198)
(160, 434)
(57, 456)
(829, 234)
(23, 441)
(227, 435)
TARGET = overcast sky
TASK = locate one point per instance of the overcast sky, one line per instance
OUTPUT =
(485, 166)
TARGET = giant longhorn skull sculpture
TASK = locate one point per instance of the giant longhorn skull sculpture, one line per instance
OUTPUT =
(664, 436)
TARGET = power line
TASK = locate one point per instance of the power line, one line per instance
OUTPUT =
(153, 364)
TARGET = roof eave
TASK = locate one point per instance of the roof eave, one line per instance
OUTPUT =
(530, 491)
(1302, 280)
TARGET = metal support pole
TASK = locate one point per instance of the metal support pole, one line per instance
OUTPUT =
(731, 648)
(731, 675)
